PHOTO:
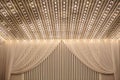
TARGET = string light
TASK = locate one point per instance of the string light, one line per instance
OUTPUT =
(52, 19)
(92, 19)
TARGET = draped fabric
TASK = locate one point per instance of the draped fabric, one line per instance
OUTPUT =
(116, 59)
(2, 60)
(100, 55)
(24, 56)
(61, 64)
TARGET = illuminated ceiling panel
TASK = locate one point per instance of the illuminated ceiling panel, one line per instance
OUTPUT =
(59, 19)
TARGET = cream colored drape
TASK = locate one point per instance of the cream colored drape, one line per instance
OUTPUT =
(100, 55)
(2, 60)
(116, 58)
(62, 64)
(24, 56)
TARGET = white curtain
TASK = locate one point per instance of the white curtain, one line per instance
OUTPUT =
(25, 55)
(100, 55)
(2, 60)
(116, 58)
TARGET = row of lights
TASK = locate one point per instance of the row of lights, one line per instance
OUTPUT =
(4, 13)
(39, 23)
(74, 16)
(45, 11)
(3, 28)
(26, 31)
(37, 16)
(3, 33)
(11, 7)
(15, 13)
(56, 19)
(2, 10)
(117, 36)
(112, 18)
(93, 18)
(33, 7)
(75, 7)
(64, 18)
(84, 17)
(32, 27)
(30, 24)
(4, 24)
(103, 16)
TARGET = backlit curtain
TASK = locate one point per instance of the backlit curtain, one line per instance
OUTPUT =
(100, 55)
(2, 60)
(24, 55)
(62, 64)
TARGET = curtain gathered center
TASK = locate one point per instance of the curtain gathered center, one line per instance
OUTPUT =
(100, 55)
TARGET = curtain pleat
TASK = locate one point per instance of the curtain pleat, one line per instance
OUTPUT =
(25, 55)
(61, 64)
(100, 55)
(2, 61)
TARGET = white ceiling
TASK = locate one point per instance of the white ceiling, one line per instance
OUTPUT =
(59, 19)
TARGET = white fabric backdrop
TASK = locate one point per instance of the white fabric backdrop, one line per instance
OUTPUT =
(116, 58)
(2, 60)
(27, 55)
(100, 55)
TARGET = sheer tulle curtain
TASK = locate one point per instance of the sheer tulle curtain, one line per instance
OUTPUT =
(116, 58)
(100, 55)
(26, 55)
(2, 60)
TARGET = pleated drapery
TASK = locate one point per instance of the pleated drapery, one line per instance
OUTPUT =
(100, 55)
(61, 65)
(2, 60)
(27, 55)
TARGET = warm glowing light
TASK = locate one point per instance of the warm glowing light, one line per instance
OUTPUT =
(41, 20)
(24, 41)
(2, 39)
(17, 40)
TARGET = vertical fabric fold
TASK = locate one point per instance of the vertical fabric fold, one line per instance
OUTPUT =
(116, 58)
(25, 55)
(100, 55)
(20, 56)
(2, 60)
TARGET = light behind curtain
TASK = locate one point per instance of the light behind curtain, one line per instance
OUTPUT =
(2, 60)
(61, 64)
(116, 58)
(100, 55)
(26, 55)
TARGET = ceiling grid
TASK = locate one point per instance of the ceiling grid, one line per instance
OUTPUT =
(59, 19)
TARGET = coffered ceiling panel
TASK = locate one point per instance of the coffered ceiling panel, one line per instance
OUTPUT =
(59, 19)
